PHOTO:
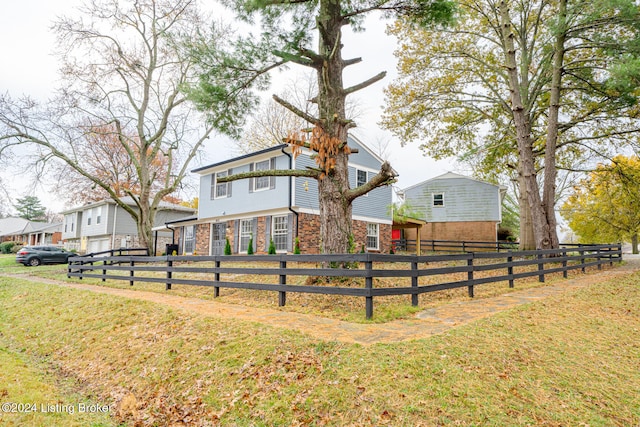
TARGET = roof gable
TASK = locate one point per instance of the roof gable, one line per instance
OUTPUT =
(449, 176)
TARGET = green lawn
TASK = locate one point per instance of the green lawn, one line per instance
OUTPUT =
(565, 361)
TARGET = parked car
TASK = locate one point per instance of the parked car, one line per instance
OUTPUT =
(36, 255)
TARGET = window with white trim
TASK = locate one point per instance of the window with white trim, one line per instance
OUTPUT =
(98, 214)
(280, 232)
(89, 216)
(246, 230)
(262, 182)
(361, 177)
(219, 190)
(189, 239)
(373, 236)
(438, 199)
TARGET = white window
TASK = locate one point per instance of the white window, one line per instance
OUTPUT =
(98, 214)
(219, 190)
(361, 177)
(373, 236)
(438, 199)
(246, 231)
(89, 216)
(280, 232)
(262, 182)
(189, 239)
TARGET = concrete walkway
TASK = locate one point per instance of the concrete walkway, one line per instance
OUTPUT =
(425, 324)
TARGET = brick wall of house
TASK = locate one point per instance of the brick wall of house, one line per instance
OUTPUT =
(56, 238)
(203, 239)
(309, 233)
(472, 231)
(309, 226)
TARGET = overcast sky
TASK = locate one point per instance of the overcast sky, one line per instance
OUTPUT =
(28, 67)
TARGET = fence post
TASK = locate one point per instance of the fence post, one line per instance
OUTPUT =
(131, 264)
(169, 274)
(599, 257)
(510, 270)
(368, 265)
(581, 251)
(464, 250)
(610, 256)
(414, 282)
(282, 295)
(104, 271)
(470, 276)
(564, 263)
(216, 289)
(540, 269)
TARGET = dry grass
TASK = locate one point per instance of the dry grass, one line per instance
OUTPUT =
(334, 306)
(569, 360)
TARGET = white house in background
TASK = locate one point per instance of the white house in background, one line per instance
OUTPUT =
(456, 207)
(30, 232)
(103, 225)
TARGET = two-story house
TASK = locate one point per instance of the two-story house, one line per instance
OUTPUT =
(103, 225)
(456, 208)
(279, 208)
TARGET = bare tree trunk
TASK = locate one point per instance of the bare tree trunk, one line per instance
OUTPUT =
(526, 161)
(634, 244)
(527, 240)
(550, 173)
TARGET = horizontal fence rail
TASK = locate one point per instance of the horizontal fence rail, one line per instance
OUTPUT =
(448, 271)
(406, 245)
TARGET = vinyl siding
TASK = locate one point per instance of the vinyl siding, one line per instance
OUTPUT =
(464, 200)
(243, 200)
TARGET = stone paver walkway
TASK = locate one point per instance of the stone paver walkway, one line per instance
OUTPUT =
(425, 324)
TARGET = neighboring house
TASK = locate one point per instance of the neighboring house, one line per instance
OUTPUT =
(30, 232)
(279, 208)
(103, 225)
(455, 207)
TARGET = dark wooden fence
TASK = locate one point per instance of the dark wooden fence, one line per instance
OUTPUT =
(408, 245)
(507, 267)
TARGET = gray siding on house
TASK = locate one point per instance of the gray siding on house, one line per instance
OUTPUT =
(242, 199)
(124, 222)
(72, 225)
(464, 200)
(375, 204)
(98, 215)
(306, 189)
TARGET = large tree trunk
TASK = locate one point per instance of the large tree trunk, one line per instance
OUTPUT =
(526, 166)
(527, 240)
(550, 173)
(634, 244)
(335, 208)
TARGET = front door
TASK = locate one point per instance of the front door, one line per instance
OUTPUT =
(218, 238)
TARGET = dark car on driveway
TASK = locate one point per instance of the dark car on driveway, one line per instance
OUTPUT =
(36, 255)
